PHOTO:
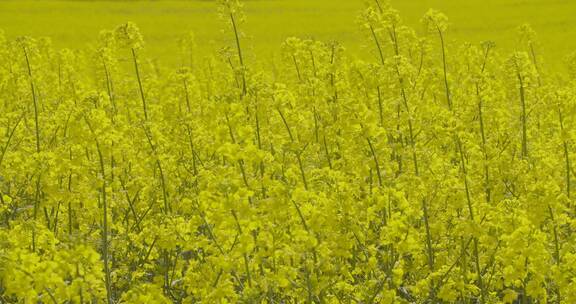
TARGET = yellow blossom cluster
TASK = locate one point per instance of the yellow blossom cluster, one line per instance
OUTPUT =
(433, 173)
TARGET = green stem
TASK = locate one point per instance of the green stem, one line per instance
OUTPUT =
(445, 69)
(141, 89)
(105, 257)
(378, 46)
(471, 211)
(566, 152)
(523, 117)
(376, 163)
(239, 49)
(10, 135)
(34, 99)
(110, 89)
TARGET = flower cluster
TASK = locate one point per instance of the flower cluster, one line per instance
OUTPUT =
(432, 173)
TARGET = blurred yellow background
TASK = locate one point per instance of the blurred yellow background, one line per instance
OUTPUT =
(74, 24)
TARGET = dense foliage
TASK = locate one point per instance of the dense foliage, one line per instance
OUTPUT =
(435, 173)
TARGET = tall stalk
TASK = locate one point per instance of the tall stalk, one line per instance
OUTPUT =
(141, 89)
(523, 103)
(37, 134)
(189, 129)
(480, 105)
(167, 206)
(10, 136)
(444, 67)
(110, 88)
(299, 153)
(34, 99)
(376, 162)
(378, 46)
(566, 152)
(523, 116)
(476, 253)
(259, 142)
(239, 50)
(105, 254)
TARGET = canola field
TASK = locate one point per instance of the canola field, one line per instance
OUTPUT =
(76, 23)
(420, 169)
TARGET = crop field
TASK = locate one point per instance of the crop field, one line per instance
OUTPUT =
(287, 152)
(76, 24)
